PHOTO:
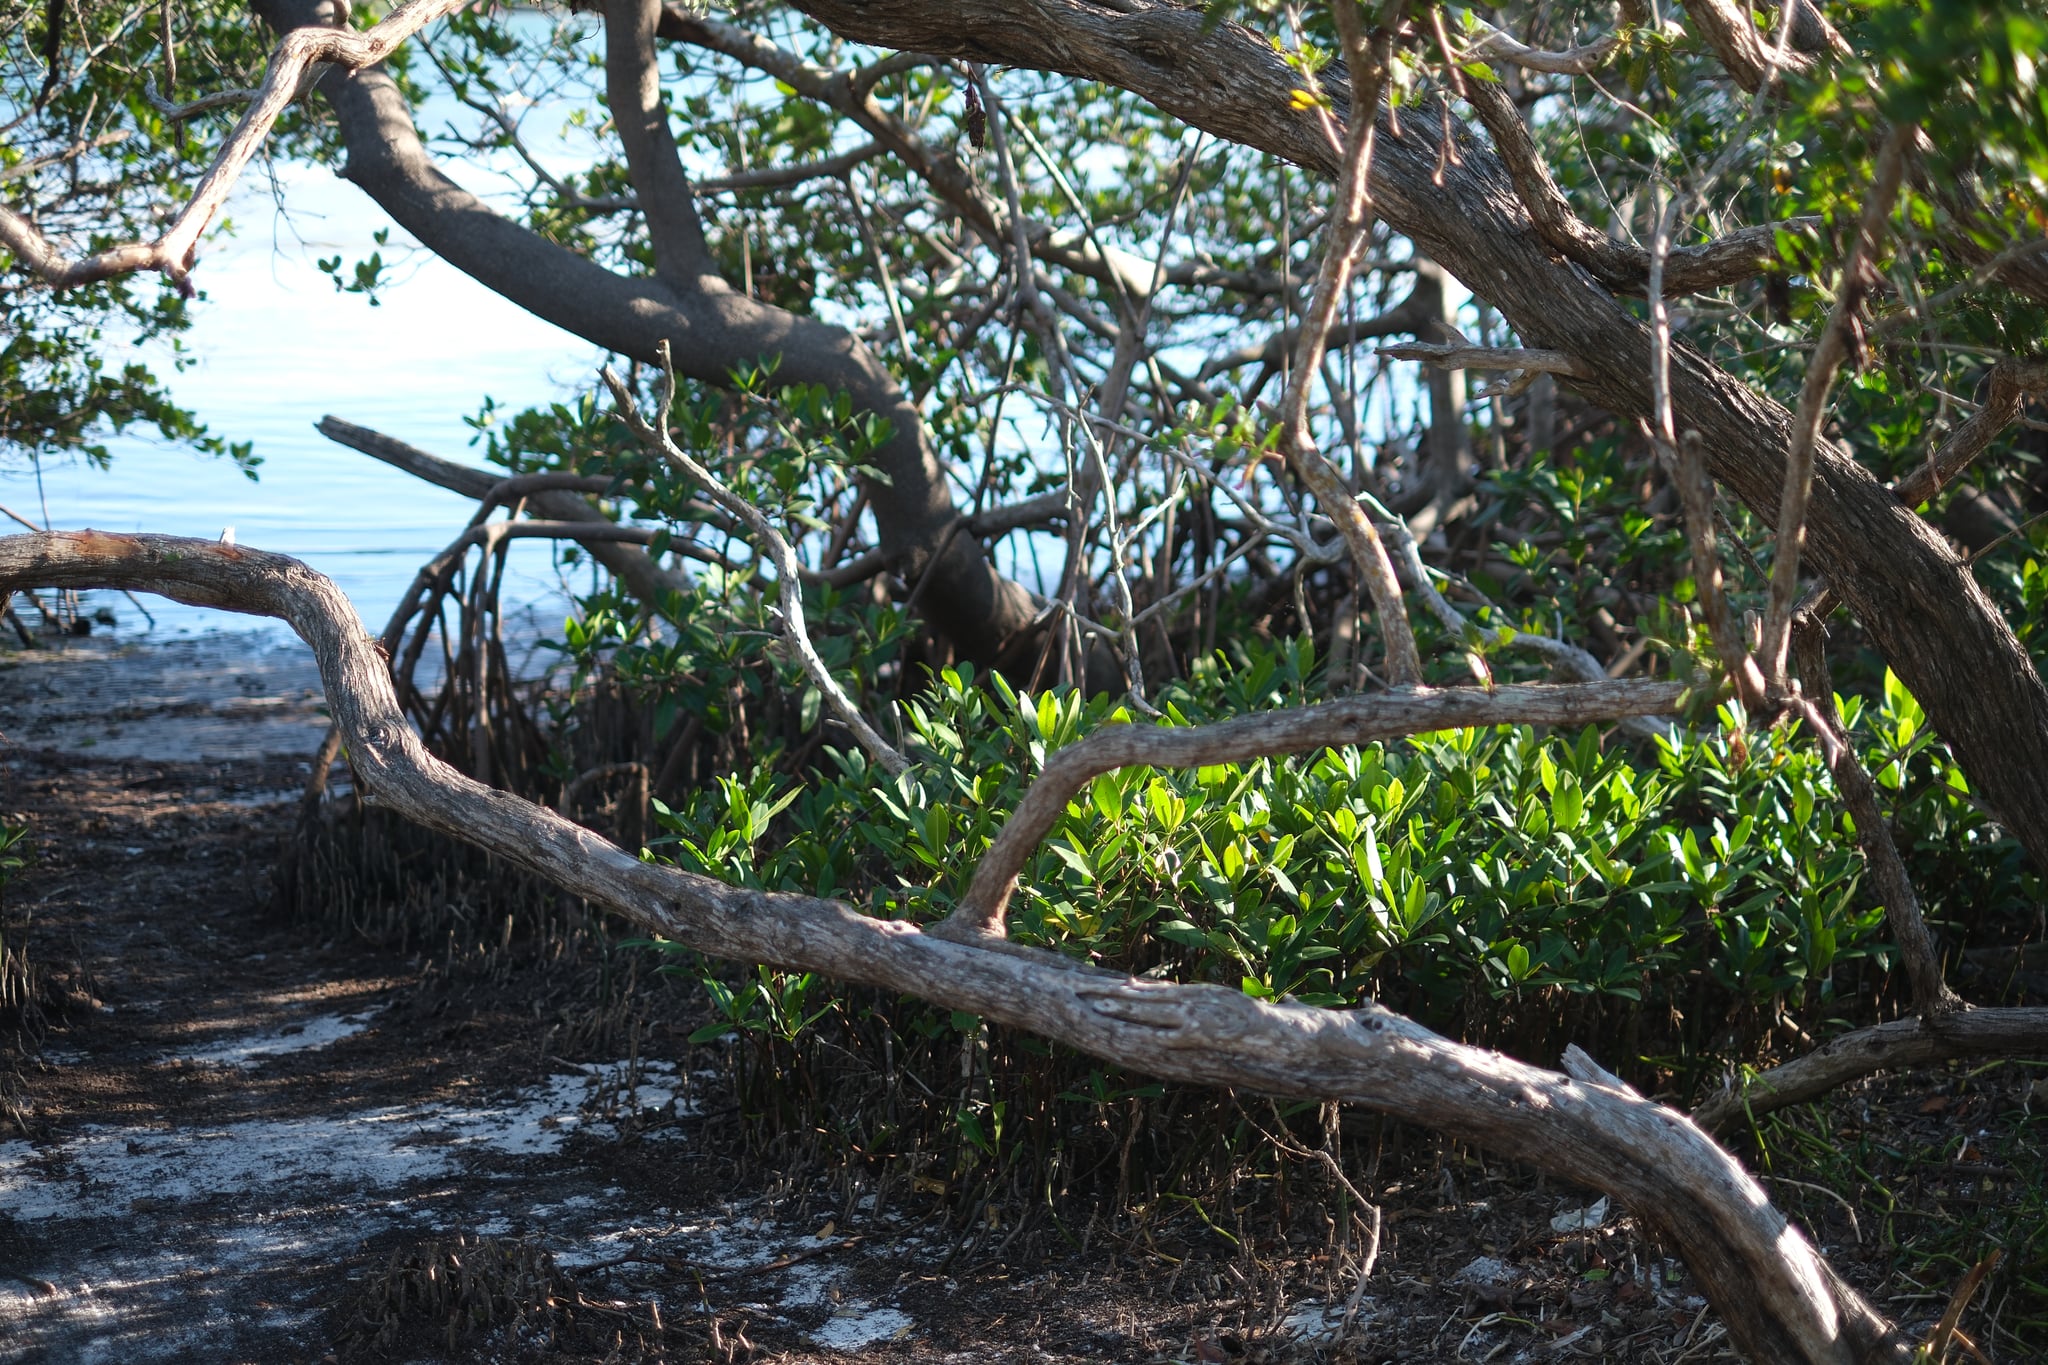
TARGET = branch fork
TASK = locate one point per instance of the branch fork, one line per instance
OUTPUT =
(293, 66)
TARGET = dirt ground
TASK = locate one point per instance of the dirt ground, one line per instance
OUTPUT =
(226, 1137)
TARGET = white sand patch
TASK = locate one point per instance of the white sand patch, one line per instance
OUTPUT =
(303, 1035)
(1314, 1320)
(197, 1236)
(775, 1270)
(854, 1325)
(102, 1172)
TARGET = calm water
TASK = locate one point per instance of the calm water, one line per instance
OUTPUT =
(278, 348)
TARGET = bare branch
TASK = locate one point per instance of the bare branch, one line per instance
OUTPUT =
(292, 67)
(1894, 1046)
(1345, 234)
(648, 581)
(1931, 995)
(1696, 487)
(1495, 45)
(71, 153)
(2012, 383)
(1740, 255)
(789, 574)
(174, 112)
(1450, 356)
(1836, 341)
(1349, 720)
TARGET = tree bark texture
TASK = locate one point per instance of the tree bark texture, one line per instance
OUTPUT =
(1777, 1296)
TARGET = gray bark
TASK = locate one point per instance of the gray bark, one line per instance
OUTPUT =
(1777, 1296)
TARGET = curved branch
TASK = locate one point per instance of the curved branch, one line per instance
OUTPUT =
(647, 580)
(1731, 32)
(1351, 720)
(1779, 1298)
(712, 327)
(2013, 382)
(1978, 1034)
(173, 112)
(1496, 45)
(633, 89)
(1623, 266)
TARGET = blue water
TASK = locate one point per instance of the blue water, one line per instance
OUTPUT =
(277, 349)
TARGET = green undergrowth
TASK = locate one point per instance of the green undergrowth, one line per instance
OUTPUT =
(1674, 907)
(1927, 1174)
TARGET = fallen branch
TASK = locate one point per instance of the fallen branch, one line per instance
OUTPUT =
(1973, 1034)
(1777, 1296)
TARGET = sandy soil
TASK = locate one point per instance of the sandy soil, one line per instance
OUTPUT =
(225, 1137)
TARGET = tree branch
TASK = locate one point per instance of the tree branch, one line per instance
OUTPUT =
(1859, 273)
(1495, 45)
(1364, 719)
(633, 89)
(646, 579)
(1971, 1034)
(1622, 266)
(713, 328)
(1731, 32)
(2013, 382)
(1343, 239)
(788, 573)
(1931, 995)
(1451, 356)
(293, 66)
(1778, 1297)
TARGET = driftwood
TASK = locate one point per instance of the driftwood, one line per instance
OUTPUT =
(1777, 1295)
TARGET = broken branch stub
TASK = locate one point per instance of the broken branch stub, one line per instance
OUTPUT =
(1777, 1296)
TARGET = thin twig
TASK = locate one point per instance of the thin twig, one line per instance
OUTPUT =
(1834, 347)
(297, 62)
(789, 578)
(1345, 233)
